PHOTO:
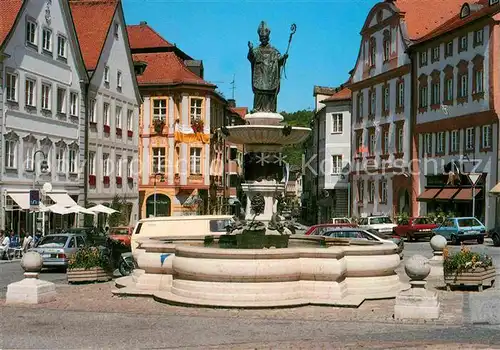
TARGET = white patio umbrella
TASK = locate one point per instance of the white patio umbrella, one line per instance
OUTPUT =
(80, 210)
(102, 209)
(57, 209)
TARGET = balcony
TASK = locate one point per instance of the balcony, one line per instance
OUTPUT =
(130, 133)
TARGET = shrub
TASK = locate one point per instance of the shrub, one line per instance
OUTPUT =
(87, 258)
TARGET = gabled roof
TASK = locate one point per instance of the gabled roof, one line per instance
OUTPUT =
(165, 68)
(92, 20)
(241, 111)
(10, 10)
(341, 95)
(142, 36)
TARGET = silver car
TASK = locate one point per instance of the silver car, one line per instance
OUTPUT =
(56, 249)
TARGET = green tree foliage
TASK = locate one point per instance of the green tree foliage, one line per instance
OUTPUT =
(122, 216)
(301, 118)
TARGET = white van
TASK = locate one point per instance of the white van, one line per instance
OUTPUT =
(179, 226)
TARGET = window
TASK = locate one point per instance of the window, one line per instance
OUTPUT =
(119, 79)
(423, 58)
(383, 191)
(92, 111)
(401, 94)
(158, 160)
(73, 156)
(449, 89)
(61, 46)
(336, 164)
(463, 43)
(440, 142)
(427, 144)
(118, 166)
(386, 98)
(454, 141)
(372, 143)
(449, 49)
(337, 120)
(385, 142)
(61, 100)
(30, 93)
(118, 117)
(92, 163)
(464, 85)
(47, 39)
(60, 155)
(360, 105)
(469, 139)
(373, 102)
(486, 133)
(11, 87)
(359, 144)
(196, 104)
(29, 152)
(400, 139)
(373, 51)
(423, 97)
(130, 170)
(105, 108)
(387, 48)
(436, 52)
(46, 96)
(160, 109)
(479, 82)
(195, 161)
(73, 104)
(106, 75)
(31, 31)
(130, 120)
(117, 27)
(105, 165)
(11, 154)
(478, 37)
(371, 192)
(435, 93)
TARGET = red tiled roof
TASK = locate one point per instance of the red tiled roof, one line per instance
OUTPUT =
(10, 9)
(424, 16)
(142, 36)
(165, 68)
(344, 94)
(456, 22)
(241, 111)
(92, 20)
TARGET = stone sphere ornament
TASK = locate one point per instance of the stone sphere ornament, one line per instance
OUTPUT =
(32, 262)
(438, 243)
(418, 268)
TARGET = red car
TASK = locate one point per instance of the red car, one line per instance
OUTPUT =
(416, 228)
(122, 234)
(317, 230)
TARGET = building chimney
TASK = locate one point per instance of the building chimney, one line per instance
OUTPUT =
(143, 23)
(231, 103)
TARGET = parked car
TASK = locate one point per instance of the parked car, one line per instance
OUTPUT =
(122, 234)
(416, 228)
(318, 230)
(380, 224)
(341, 221)
(56, 249)
(357, 233)
(495, 236)
(461, 229)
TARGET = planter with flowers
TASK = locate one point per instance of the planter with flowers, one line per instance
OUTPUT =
(467, 268)
(89, 264)
(158, 125)
(197, 125)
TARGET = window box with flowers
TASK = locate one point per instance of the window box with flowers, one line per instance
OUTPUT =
(118, 131)
(467, 268)
(118, 180)
(105, 180)
(197, 125)
(130, 133)
(92, 180)
(158, 125)
(130, 180)
(107, 129)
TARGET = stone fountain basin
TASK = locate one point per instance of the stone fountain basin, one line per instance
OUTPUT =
(266, 135)
(188, 273)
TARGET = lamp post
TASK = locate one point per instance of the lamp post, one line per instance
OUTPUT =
(154, 198)
(43, 168)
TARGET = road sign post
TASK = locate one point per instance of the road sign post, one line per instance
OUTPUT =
(34, 199)
(474, 178)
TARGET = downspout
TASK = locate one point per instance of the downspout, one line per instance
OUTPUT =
(414, 176)
(2, 133)
(86, 145)
(317, 166)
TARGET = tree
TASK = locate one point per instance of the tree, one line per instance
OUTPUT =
(300, 118)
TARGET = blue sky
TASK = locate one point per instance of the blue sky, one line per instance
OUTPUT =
(323, 49)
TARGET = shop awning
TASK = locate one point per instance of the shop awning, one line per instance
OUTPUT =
(62, 199)
(496, 189)
(447, 194)
(22, 199)
(428, 194)
(465, 194)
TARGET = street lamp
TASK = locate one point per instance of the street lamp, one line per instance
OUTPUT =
(43, 168)
(154, 200)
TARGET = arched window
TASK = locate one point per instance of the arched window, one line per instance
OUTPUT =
(158, 205)
(465, 11)
(373, 51)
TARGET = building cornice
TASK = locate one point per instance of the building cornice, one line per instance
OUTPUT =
(380, 78)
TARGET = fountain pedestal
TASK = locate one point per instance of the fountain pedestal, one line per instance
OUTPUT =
(269, 189)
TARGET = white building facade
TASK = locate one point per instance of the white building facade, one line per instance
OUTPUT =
(43, 75)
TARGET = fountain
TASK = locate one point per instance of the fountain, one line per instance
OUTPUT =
(257, 263)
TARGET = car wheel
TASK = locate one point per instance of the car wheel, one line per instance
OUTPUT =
(496, 240)
(480, 240)
(454, 240)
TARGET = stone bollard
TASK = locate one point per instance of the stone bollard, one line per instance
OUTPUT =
(31, 290)
(417, 302)
(438, 243)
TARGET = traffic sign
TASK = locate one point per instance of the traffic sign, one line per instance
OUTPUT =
(34, 199)
(474, 177)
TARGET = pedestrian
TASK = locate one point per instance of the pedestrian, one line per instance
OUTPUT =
(27, 242)
(4, 247)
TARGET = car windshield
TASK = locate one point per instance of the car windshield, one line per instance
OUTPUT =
(219, 225)
(53, 241)
(119, 232)
(380, 220)
(350, 234)
(468, 222)
(422, 221)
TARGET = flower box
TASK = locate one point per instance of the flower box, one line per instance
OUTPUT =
(197, 125)
(130, 133)
(93, 274)
(92, 180)
(105, 180)
(130, 180)
(158, 125)
(106, 129)
(118, 180)
(479, 277)
(118, 131)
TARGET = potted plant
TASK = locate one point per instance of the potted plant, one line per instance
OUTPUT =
(403, 219)
(88, 264)
(158, 125)
(197, 125)
(468, 268)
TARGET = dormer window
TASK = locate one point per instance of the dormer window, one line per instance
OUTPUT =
(493, 2)
(117, 27)
(373, 51)
(465, 11)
